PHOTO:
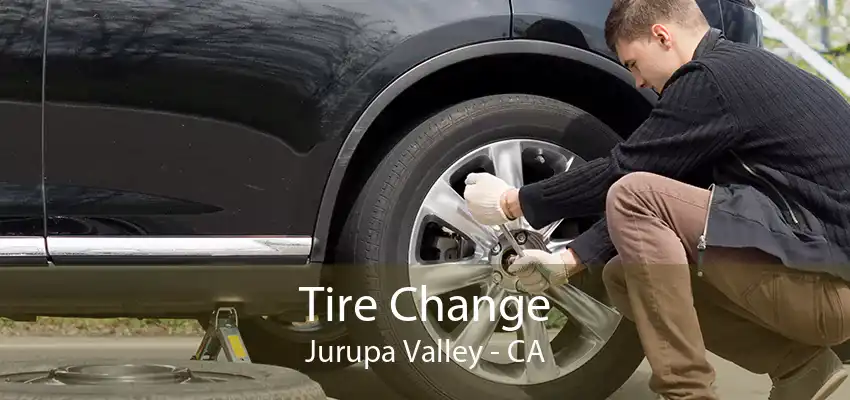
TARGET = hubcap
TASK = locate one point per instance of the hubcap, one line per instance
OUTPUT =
(451, 254)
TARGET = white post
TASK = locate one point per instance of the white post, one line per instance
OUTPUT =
(776, 30)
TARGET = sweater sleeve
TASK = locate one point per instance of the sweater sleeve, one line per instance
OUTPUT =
(594, 247)
(689, 126)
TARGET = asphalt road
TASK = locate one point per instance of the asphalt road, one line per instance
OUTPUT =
(732, 381)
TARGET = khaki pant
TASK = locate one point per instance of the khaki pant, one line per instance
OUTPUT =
(746, 307)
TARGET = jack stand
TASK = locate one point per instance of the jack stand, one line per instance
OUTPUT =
(223, 333)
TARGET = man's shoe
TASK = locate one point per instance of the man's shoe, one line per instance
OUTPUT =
(816, 380)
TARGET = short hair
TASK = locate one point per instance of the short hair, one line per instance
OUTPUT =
(631, 19)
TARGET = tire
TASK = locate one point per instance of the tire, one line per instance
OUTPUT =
(376, 235)
(265, 382)
(271, 342)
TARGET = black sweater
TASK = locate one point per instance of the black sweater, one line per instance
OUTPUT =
(730, 97)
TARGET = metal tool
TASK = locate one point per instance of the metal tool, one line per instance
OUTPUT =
(222, 333)
(515, 245)
(512, 240)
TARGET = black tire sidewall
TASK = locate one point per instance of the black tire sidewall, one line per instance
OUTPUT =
(389, 204)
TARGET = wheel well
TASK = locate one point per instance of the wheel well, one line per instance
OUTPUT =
(608, 98)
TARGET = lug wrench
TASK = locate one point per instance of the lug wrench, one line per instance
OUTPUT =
(512, 240)
(517, 249)
(515, 245)
(586, 304)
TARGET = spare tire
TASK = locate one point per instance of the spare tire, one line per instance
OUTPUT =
(172, 379)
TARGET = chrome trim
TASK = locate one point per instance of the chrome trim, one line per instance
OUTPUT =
(188, 246)
(155, 290)
(22, 246)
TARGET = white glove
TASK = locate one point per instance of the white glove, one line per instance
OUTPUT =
(538, 270)
(483, 194)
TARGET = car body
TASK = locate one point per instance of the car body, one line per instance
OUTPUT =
(213, 122)
(162, 158)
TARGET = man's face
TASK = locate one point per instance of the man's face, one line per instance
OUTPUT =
(651, 59)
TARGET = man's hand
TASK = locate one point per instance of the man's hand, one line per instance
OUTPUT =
(538, 269)
(485, 196)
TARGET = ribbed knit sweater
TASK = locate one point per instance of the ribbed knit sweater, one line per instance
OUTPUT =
(731, 96)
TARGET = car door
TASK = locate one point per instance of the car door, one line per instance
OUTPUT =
(172, 134)
(21, 200)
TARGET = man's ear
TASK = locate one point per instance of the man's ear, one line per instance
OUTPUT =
(663, 35)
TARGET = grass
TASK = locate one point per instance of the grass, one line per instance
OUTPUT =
(49, 326)
(555, 319)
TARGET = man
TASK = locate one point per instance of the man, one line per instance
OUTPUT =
(727, 212)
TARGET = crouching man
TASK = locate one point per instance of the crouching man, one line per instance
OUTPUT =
(726, 213)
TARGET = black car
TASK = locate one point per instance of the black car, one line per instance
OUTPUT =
(162, 158)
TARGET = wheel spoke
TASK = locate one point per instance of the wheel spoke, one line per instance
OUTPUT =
(519, 224)
(507, 160)
(539, 359)
(445, 203)
(440, 278)
(548, 230)
(598, 319)
(557, 246)
(478, 331)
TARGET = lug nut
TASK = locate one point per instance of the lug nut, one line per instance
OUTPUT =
(497, 248)
(497, 277)
(520, 237)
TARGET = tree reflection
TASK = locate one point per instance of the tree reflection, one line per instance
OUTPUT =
(264, 63)
(21, 38)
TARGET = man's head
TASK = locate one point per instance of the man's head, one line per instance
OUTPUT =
(653, 38)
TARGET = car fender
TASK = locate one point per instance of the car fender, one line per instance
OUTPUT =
(422, 70)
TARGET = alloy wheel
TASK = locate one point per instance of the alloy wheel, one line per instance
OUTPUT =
(451, 254)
